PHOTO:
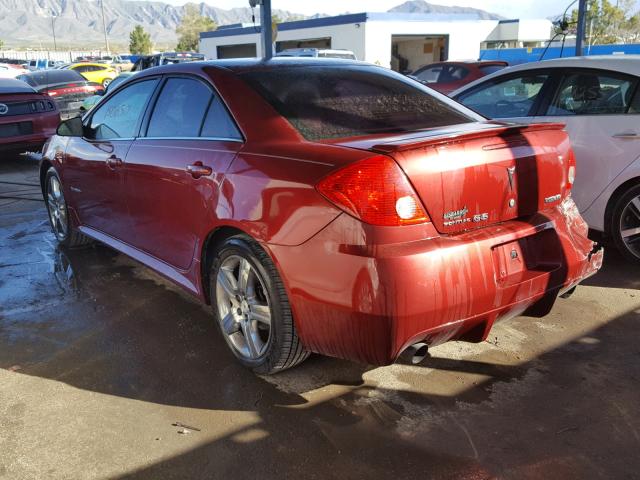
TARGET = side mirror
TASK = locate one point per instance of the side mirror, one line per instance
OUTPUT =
(71, 127)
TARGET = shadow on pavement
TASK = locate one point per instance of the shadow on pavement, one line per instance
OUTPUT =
(97, 321)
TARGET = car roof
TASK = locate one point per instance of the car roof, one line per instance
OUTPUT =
(241, 65)
(629, 64)
(11, 85)
(91, 64)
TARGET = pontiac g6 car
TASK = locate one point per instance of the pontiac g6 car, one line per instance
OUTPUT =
(325, 206)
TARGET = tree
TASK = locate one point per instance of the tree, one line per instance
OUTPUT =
(139, 41)
(607, 23)
(191, 25)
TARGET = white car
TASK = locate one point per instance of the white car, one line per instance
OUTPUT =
(598, 99)
(8, 71)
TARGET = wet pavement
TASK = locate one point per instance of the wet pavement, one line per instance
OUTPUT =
(99, 357)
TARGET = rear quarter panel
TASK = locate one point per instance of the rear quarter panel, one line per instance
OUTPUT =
(269, 190)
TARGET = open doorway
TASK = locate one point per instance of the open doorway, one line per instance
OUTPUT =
(409, 52)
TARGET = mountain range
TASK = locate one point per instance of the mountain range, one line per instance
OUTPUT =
(78, 23)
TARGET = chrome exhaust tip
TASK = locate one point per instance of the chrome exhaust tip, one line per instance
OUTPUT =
(415, 354)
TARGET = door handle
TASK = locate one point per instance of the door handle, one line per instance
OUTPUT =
(627, 135)
(198, 170)
(113, 161)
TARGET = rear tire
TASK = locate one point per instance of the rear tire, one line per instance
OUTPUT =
(59, 217)
(625, 221)
(252, 309)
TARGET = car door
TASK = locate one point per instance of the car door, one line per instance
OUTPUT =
(596, 107)
(175, 168)
(95, 162)
(515, 97)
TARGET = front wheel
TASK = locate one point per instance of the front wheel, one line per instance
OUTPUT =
(252, 309)
(625, 224)
(59, 217)
(106, 82)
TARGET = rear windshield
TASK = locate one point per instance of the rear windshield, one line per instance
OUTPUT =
(324, 102)
(50, 77)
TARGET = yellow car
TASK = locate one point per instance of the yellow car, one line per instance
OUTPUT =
(95, 72)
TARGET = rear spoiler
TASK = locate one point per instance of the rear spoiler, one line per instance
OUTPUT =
(439, 137)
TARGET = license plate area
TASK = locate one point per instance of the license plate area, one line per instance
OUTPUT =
(526, 258)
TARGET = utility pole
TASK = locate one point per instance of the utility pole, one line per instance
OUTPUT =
(582, 18)
(265, 25)
(104, 27)
(53, 30)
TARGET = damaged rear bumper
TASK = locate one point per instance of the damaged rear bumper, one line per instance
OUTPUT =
(362, 293)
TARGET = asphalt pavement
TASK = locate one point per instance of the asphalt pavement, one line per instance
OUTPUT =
(107, 371)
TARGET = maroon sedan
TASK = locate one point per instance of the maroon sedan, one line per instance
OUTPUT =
(27, 118)
(322, 206)
(446, 77)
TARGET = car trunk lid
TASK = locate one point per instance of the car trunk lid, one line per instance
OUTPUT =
(471, 176)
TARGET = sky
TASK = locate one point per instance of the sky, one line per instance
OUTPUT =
(506, 8)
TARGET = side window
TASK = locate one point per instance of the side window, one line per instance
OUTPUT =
(592, 93)
(218, 123)
(180, 109)
(453, 73)
(80, 68)
(430, 75)
(119, 115)
(513, 97)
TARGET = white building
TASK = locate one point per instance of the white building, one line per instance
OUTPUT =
(402, 41)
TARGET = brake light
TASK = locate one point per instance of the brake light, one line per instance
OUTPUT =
(375, 191)
(571, 170)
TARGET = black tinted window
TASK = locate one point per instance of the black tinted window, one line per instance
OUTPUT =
(119, 115)
(218, 122)
(329, 102)
(49, 77)
(513, 97)
(180, 109)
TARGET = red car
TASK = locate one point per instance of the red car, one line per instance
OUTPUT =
(27, 118)
(67, 88)
(322, 205)
(446, 77)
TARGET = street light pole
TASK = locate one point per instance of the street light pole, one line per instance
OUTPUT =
(53, 30)
(104, 26)
(582, 20)
(265, 25)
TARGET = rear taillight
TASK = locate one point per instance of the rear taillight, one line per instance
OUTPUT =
(375, 191)
(571, 170)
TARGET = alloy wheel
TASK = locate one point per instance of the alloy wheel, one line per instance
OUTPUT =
(243, 307)
(57, 208)
(630, 226)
